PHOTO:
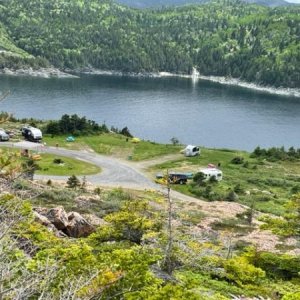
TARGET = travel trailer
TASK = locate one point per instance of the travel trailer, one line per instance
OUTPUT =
(210, 172)
(191, 150)
(31, 133)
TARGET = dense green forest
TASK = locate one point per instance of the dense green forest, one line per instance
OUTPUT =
(225, 37)
(161, 3)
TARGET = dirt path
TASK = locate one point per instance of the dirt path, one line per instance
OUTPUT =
(142, 165)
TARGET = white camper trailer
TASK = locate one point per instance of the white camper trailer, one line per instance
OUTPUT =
(32, 134)
(210, 172)
(191, 150)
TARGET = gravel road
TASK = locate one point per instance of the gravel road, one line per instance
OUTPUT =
(115, 172)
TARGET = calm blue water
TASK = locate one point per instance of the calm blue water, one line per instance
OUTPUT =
(158, 109)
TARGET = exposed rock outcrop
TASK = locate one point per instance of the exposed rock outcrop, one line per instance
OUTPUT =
(62, 224)
(78, 226)
(94, 220)
(58, 217)
(42, 219)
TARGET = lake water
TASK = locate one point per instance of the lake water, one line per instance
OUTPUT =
(201, 113)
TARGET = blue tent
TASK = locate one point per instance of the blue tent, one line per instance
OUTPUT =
(70, 139)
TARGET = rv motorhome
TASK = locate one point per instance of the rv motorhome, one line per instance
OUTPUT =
(210, 172)
(191, 150)
(32, 134)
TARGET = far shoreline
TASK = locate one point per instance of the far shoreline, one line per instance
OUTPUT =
(293, 92)
(67, 73)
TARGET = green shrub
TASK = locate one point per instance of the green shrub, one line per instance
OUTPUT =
(278, 266)
(238, 189)
(292, 296)
(246, 164)
(58, 161)
(199, 178)
(59, 196)
(295, 189)
(239, 270)
(73, 182)
(21, 185)
(232, 196)
(237, 160)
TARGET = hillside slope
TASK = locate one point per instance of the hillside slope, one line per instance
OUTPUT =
(161, 3)
(224, 38)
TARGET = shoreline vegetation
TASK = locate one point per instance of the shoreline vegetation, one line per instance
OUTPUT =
(195, 76)
(50, 72)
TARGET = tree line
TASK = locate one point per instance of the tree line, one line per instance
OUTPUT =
(223, 38)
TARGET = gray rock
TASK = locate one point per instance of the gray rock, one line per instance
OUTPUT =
(58, 217)
(78, 226)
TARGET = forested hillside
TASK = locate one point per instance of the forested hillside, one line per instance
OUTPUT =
(160, 3)
(225, 38)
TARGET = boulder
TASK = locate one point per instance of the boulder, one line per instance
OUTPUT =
(58, 217)
(41, 210)
(41, 219)
(94, 220)
(45, 221)
(86, 201)
(78, 226)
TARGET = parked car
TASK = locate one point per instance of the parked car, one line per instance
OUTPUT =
(174, 178)
(3, 135)
(32, 134)
(178, 178)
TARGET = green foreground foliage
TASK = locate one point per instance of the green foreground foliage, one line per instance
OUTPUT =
(123, 258)
(224, 38)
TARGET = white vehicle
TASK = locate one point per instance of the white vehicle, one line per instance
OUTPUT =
(3, 135)
(191, 150)
(210, 172)
(32, 134)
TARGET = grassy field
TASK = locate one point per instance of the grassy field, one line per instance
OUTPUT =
(115, 145)
(67, 167)
(265, 185)
(106, 143)
(64, 166)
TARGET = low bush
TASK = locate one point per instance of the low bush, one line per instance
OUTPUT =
(58, 196)
(279, 266)
(58, 161)
(239, 270)
(237, 160)
(275, 154)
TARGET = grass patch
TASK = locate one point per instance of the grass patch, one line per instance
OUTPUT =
(115, 145)
(268, 185)
(67, 167)
(99, 204)
(234, 225)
